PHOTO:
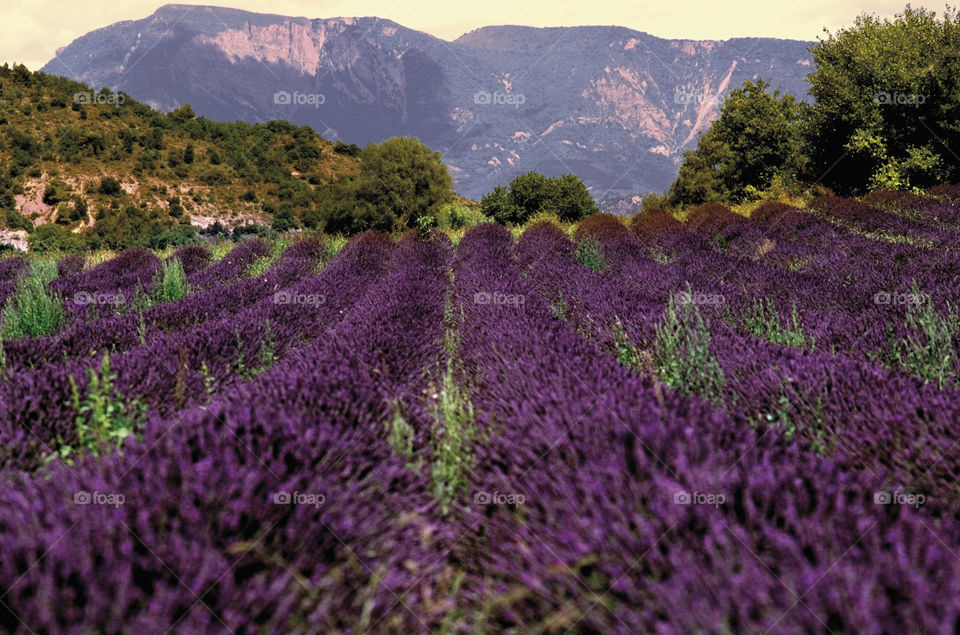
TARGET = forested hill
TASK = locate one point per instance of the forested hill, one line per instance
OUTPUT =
(122, 173)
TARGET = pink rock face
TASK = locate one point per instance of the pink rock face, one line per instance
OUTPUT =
(290, 43)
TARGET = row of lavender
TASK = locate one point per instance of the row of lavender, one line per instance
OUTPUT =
(850, 294)
(626, 507)
(277, 506)
(172, 370)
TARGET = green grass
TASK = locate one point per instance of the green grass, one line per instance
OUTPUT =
(589, 253)
(454, 426)
(221, 248)
(454, 432)
(268, 349)
(333, 245)
(788, 412)
(627, 353)
(400, 435)
(682, 352)
(33, 310)
(261, 265)
(762, 319)
(927, 350)
(169, 283)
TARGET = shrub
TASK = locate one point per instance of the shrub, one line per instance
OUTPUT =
(169, 283)
(103, 420)
(110, 186)
(532, 193)
(15, 220)
(682, 352)
(762, 319)
(456, 216)
(349, 149)
(33, 310)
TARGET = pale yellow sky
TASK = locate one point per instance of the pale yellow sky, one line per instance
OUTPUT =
(34, 29)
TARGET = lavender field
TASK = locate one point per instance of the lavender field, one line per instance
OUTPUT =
(722, 425)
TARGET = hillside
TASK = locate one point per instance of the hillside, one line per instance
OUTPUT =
(616, 106)
(111, 166)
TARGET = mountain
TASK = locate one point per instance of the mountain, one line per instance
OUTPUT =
(615, 106)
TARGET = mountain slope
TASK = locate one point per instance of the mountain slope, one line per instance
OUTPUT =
(613, 105)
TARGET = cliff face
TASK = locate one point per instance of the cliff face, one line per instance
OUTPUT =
(617, 107)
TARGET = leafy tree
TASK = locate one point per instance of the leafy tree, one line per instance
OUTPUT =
(571, 199)
(401, 180)
(756, 137)
(182, 114)
(887, 111)
(498, 206)
(406, 175)
(284, 220)
(533, 192)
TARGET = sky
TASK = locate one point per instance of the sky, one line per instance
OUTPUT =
(34, 29)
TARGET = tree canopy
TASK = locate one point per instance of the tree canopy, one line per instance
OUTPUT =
(532, 193)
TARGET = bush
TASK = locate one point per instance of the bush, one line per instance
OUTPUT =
(349, 149)
(33, 310)
(110, 186)
(589, 254)
(456, 215)
(532, 193)
(169, 283)
(52, 237)
(15, 220)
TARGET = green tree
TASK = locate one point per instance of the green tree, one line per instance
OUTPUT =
(533, 192)
(407, 176)
(887, 111)
(572, 200)
(498, 206)
(757, 136)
